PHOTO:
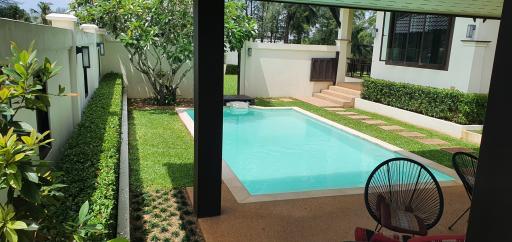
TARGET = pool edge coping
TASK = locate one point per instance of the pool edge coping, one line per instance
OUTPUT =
(242, 195)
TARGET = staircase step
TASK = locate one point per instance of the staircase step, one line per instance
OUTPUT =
(340, 95)
(345, 90)
(319, 102)
(341, 102)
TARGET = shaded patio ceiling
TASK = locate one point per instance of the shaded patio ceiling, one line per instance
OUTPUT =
(465, 8)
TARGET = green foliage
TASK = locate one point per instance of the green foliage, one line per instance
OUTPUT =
(156, 33)
(11, 10)
(91, 156)
(362, 37)
(447, 104)
(238, 27)
(79, 228)
(9, 225)
(231, 69)
(44, 9)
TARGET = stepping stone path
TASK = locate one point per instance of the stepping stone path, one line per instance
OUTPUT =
(391, 128)
(286, 99)
(411, 134)
(359, 117)
(374, 122)
(433, 141)
(347, 113)
(335, 109)
(453, 150)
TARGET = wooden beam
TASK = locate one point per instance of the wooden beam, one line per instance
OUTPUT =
(491, 214)
(208, 94)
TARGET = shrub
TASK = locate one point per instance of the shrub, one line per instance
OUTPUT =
(448, 104)
(231, 69)
(91, 157)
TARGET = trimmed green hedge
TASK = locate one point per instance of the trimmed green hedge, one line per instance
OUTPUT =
(91, 158)
(448, 104)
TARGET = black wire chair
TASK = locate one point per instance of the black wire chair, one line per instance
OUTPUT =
(404, 196)
(465, 165)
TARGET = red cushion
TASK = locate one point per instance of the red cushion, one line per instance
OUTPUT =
(382, 238)
(440, 238)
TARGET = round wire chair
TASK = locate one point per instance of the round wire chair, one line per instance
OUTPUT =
(404, 196)
(465, 165)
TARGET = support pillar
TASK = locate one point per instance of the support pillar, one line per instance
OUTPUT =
(208, 104)
(490, 217)
(343, 42)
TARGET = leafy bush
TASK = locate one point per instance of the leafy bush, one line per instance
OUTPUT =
(231, 69)
(91, 158)
(442, 103)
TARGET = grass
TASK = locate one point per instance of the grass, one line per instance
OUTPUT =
(161, 149)
(431, 152)
(230, 85)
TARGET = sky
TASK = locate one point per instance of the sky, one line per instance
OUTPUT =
(28, 4)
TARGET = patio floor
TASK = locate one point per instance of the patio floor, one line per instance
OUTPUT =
(312, 219)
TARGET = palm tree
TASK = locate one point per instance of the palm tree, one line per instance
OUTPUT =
(44, 9)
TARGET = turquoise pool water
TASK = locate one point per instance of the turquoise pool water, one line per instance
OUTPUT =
(280, 151)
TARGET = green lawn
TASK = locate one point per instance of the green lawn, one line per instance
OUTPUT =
(161, 150)
(230, 84)
(431, 152)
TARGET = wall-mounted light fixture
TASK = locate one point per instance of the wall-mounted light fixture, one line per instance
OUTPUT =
(101, 48)
(470, 32)
(86, 59)
(249, 51)
(86, 64)
(374, 32)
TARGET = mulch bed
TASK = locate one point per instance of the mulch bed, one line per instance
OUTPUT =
(148, 103)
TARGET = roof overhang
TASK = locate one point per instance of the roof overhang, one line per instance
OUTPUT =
(490, 9)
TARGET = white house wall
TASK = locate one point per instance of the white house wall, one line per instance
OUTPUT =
(470, 63)
(59, 46)
(117, 59)
(281, 70)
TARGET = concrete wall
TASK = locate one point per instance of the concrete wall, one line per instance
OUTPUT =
(281, 70)
(470, 63)
(117, 59)
(59, 45)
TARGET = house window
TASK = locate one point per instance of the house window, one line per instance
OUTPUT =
(419, 40)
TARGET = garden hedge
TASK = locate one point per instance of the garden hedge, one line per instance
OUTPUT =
(447, 104)
(90, 161)
(231, 69)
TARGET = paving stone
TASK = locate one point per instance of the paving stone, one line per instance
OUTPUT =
(359, 117)
(347, 113)
(391, 127)
(453, 150)
(433, 141)
(372, 121)
(286, 99)
(411, 134)
(335, 109)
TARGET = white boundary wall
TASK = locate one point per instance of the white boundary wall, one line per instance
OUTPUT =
(59, 45)
(442, 126)
(281, 70)
(470, 61)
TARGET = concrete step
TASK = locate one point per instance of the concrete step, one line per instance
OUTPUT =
(342, 102)
(340, 95)
(319, 102)
(345, 90)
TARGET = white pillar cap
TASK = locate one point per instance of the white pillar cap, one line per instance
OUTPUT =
(90, 28)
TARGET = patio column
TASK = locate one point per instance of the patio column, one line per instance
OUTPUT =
(491, 214)
(208, 95)
(343, 42)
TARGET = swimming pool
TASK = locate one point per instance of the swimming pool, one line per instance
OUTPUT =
(274, 151)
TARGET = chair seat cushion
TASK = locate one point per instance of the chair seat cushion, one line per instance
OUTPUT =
(400, 220)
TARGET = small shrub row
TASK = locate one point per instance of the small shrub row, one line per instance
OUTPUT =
(91, 157)
(231, 69)
(447, 104)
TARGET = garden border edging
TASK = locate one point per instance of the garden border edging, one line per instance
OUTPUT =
(123, 203)
(442, 126)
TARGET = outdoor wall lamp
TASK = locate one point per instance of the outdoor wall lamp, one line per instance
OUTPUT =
(86, 59)
(249, 51)
(470, 32)
(101, 48)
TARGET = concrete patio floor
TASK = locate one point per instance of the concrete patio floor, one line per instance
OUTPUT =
(312, 219)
